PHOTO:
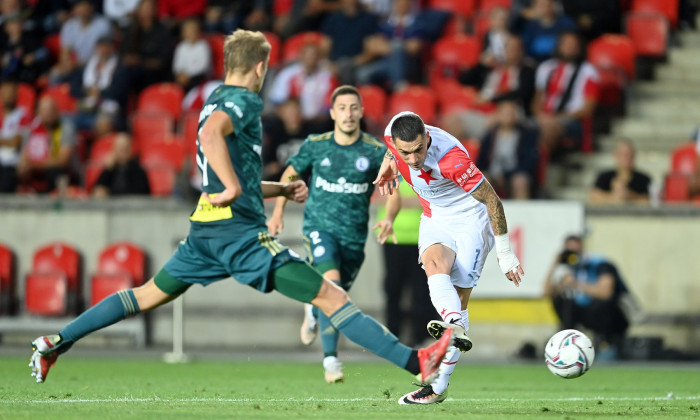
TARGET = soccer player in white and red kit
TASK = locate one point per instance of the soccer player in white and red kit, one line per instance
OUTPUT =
(462, 220)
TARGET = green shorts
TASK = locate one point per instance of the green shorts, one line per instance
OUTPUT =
(325, 253)
(255, 259)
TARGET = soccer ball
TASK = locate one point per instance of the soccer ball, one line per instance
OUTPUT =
(569, 354)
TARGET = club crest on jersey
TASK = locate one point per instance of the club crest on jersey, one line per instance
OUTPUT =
(319, 251)
(362, 164)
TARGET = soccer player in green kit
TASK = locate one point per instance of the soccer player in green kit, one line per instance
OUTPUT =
(343, 164)
(228, 236)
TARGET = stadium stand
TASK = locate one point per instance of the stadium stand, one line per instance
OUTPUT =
(62, 258)
(46, 293)
(464, 8)
(374, 101)
(161, 179)
(162, 98)
(667, 8)
(61, 95)
(649, 33)
(275, 48)
(8, 279)
(216, 44)
(418, 99)
(293, 45)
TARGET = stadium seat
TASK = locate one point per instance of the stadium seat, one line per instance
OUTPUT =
(123, 257)
(458, 98)
(149, 127)
(26, 97)
(609, 51)
(59, 256)
(457, 51)
(667, 8)
(104, 284)
(101, 149)
(418, 99)
(166, 152)
(53, 45)
(92, 174)
(294, 44)
(216, 45)
(472, 146)
(676, 187)
(282, 7)
(161, 179)
(275, 48)
(7, 280)
(162, 98)
(189, 124)
(455, 25)
(46, 293)
(649, 34)
(374, 102)
(463, 8)
(684, 159)
(612, 86)
(61, 95)
(480, 25)
(486, 6)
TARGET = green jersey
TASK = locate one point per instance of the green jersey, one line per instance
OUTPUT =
(341, 185)
(244, 147)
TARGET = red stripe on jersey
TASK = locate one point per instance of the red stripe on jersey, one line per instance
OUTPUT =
(591, 89)
(403, 166)
(426, 206)
(458, 166)
(554, 89)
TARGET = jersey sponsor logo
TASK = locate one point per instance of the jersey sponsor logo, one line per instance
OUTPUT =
(362, 164)
(470, 172)
(206, 111)
(319, 251)
(326, 162)
(341, 186)
(432, 192)
(257, 149)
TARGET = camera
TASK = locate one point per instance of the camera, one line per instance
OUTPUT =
(569, 258)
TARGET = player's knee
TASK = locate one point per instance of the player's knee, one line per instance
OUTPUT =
(149, 296)
(330, 298)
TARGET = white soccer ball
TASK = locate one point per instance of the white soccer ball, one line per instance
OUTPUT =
(569, 354)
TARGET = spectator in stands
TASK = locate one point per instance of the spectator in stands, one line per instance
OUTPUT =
(305, 15)
(567, 89)
(508, 154)
(624, 184)
(594, 17)
(64, 69)
(122, 174)
(512, 79)
(45, 16)
(82, 31)
(586, 290)
(311, 81)
(14, 123)
(192, 59)
(397, 49)
(494, 41)
(350, 33)
(23, 58)
(47, 154)
(147, 48)
(118, 11)
(540, 33)
(101, 86)
(283, 134)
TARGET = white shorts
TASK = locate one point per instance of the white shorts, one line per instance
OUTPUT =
(471, 238)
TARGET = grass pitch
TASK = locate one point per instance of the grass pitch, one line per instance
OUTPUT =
(147, 389)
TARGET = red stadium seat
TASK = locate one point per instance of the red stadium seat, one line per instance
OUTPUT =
(458, 98)
(649, 34)
(418, 99)
(162, 97)
(101, 149)
(7, 280)
(667, 8)
(61, 95)
(26, 97)
(486, 6)
(282, 7)
(374, 102)
(59, 256)
(457, 51)
(455, 25)
(481, 25)
(293, 45)
(165, 152)
(216, 45)
(147, 127)
(123, 257)
(104, 284)
(464, 8)
(612, 86)
(677, 187)
(684, 159)
(472, 146)
(92, 174)
(161, 179)
(46, 293)
(275, 48)
(610, 51)
(188, 131)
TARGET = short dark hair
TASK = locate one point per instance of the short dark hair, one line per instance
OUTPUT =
(345, 90)
(407, 127)
(577, 238)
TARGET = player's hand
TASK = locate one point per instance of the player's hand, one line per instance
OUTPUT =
(511, 267)
(275, 225)
(296, 191)
(387, 180)
(386, 229)
(224, 198)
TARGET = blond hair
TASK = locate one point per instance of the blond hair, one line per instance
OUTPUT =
(243, 50)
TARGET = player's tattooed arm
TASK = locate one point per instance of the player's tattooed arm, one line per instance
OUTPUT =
(388, 154)
(494, 207)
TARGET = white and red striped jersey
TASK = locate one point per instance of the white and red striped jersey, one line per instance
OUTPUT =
(553, 77)
(447, 178)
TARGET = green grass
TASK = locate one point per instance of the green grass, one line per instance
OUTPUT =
(144, 389)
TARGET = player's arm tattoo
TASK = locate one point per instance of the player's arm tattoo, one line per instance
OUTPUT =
(494, 207)
(388, 155)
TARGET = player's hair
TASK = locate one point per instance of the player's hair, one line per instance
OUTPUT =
(345, 90)
(243, 50)
(407, 127)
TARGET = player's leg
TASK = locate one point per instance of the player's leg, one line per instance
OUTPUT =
(302, 282)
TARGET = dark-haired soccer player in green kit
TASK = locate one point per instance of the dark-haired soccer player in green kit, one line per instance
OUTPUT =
(343, 164)
(228, 235)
